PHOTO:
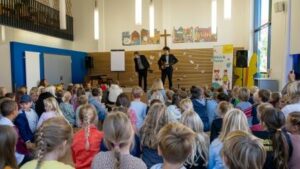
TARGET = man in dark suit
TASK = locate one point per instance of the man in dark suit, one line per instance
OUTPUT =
(165, 64)
(141, 67)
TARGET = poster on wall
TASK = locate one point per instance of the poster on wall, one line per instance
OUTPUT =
(142, 37)
(222, 66)
(191, 35)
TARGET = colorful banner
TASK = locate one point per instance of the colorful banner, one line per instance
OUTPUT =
(140, 38)
(222, 66)
(190, 35)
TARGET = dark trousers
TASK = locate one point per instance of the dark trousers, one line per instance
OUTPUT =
(167, 72)
(143, 76)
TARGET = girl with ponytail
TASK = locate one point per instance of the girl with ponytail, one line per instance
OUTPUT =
(53, 139)
(118, 137)
(86, 142)
(293, 126)
(276, 141)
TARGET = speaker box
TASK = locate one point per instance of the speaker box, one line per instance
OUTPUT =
(89, 62)
(242, 58)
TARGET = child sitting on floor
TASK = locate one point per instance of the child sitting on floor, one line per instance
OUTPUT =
(175, 145)
(86, 142)
(27, 120)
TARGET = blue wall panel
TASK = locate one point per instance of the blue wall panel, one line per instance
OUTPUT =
(18, 62)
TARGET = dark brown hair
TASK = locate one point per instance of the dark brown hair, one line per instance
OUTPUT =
(274, 120)
(8, 107)
(123, 101)
(264, 95)
(196, 92)
(8, 141)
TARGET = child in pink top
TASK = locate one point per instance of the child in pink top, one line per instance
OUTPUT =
(123, 104)
(52, 110)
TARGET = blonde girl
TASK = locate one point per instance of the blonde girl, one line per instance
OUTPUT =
(216, 126)
(86, 142)
(243, 150)
(157, 85)
(293, 98)
(67, 108)
(118, 137)
(186, 105)
(192, 120)
(82, 101)
(53, 141)
(156, 118)
(51, 110)
(234, 120)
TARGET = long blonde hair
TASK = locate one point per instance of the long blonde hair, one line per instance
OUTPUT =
(118, 133)
(51, 89)
(157, 85)
(234, 119)
(156, 118)
(50, 135)
(293, 92)
(186, 105)
(88, 116)
(192, 120)
(243, 150)
(52, 105)
(67, 96)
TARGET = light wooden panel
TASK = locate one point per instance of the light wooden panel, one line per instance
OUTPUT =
(194, 67)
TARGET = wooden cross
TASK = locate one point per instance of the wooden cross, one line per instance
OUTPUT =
(165, 35)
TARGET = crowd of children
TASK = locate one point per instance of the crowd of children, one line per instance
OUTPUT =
(101, 127)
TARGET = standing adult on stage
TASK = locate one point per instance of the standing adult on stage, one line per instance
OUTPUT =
(141, 67)
(165, 64)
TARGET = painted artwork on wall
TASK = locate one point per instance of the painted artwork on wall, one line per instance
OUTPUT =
(178, 35)
(190, 35)
(140, 38)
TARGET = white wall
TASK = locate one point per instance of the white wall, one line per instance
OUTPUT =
(5, 67)
(83, 13)
(83, 31)
(19, 35)
(295, 27)
(118, 16)
(280, 60)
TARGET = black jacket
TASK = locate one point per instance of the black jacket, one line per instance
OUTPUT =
(172, 60)
(144, 62)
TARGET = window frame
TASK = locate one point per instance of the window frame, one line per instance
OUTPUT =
(258, 28)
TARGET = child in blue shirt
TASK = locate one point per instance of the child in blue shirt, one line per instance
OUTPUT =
(27, 120)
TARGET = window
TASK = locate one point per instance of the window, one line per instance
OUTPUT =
(262, 33)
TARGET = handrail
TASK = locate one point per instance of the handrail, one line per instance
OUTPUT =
(34, 16)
